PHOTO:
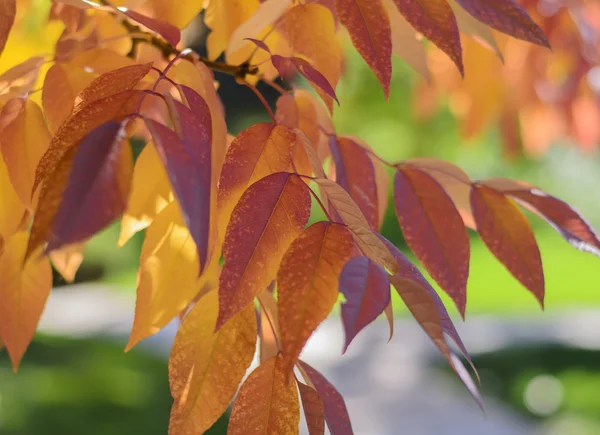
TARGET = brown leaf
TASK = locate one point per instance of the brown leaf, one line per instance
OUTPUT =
(268, 217)
(314, 411)
(8, 10)
(507, 234)
(308, 283)
(267, 403)
(168, 31)
(434, 231)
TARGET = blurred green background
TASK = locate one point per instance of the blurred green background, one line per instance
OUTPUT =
(67, 384)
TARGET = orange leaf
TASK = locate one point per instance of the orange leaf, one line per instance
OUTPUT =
(8, 10)
(269, 325)
(256, 152)
(267, 403)
(169, 260)
(12, 210)
(307, 286)
(24, 141)
(268, 217)
(62, 84)
(168, 31)
(350, 214)
(206, 367)
(336, 413)
(23, 293)
(56, 163)
(434, 230)
(369, 27)
(67, 260)
(320, 46)
(507, 234)
(314, 412)
(435, 20)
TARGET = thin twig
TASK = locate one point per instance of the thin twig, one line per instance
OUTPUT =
(317, 198)
(261, 98)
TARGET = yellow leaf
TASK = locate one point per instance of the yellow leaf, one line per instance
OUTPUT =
(23, 294)
(67, 260)
(320, 45)
(168, 277)
(223, 17)
(12, 210)
(150, 193)
(24, 141)
(179, 13)
(205, 368)
(267, 403)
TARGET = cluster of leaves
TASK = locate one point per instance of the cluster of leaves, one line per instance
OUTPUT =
(228, 247)
(533, 95)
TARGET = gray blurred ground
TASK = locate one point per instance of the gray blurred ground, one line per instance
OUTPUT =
(389, 388)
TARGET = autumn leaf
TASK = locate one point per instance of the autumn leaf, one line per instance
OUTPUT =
(350, 214)
(223, 18)
(475, 29)
(98, 186)
(168, 31)
(258, 236)
(186, 154)
(435, 20)
(206, 367)
(169, 260)
(507, 234)
(8, 10)
(336, 413)
(24, 141)
(267, 402)
(355, 172)
(256, 152)
(67, 260)
(24, 288)
(150, 193)
(307, 283)
(508, 17)
(269, 325)
(560, 215)
(434, 231)
(314, 411)
(369, 27)
(366, 287)
(12, 210)
(319, 46)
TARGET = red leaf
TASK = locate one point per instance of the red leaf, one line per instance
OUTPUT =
(434, 230)
(98, 186)
(336, 414)
(366, 286)
(436, 21)
(369, 27)
(8, 10)
(508, 17)
(268, 217)
(187, 157)
(169, 32)
(314, 412)
(560, 215)
(507, 234)
(355, 172)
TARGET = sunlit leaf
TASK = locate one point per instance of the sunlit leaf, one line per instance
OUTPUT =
(67, 260)
(369, 27)
(223, 18)
(366, 287)
(24, 141)
(319, 46)
(206, 367)
(24, 289)
(507, 234)
(434, 231)
(12, 210)
(169, 260)
(168, 31)
(336, 413)
(475, 29)
(267, 403)
(98, 186)
(307, 283)
(269, 325)
(268, 217)
(8, 10)
(435, 20)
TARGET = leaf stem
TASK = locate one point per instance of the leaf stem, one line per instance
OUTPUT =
(264, 310)
(317, 198)
(261, 98)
